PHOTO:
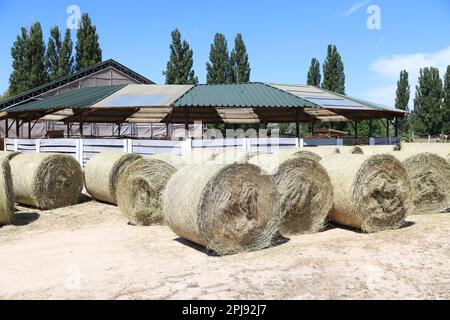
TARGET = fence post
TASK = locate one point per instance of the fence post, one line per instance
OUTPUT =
(301, 143)
(340, 142)
(79, 151)
(38, 145)
(130, 145)
(186, 146)
(297, 143)
(244, 144)
(372, 141)
(16, 147)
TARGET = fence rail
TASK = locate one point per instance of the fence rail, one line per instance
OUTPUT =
(85, 149)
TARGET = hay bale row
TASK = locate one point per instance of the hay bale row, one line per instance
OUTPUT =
(140, 188)
(46, 180)
(102, 173)
(226, 208)
(371, 193)
(306, 193)
(6, 193)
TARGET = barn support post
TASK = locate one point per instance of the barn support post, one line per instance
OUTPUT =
(312, 128)
(356, 129)
(68, 129)
(370, 128)
(17, 128)
(81, 127)
(297, 124)
(387, 128)
(29, 129)
(119, 127)
(6, 128)
(396, 126)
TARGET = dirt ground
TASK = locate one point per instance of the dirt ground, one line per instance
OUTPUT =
(88, 251)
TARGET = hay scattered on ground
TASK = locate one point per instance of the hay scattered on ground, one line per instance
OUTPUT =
(371, 150)
(173, 159)
(102, 173)
(140, 188)
(200, 156)
(306, 193)
(350, 150)
(430, 176)
(46, 180)
(6, 193)
(227, 208)
(413, 146)
(372, 193)
(230, 156)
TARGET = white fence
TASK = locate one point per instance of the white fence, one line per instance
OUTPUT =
(85, 149)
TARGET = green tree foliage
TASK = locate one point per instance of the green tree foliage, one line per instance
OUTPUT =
(53, 52)
(402, 97)
(446, 102)
(314, 75)
(427, 115)
(66, 61)
(333, 71)
(218, 67)
(36, 57)
(88, 50)
(18, 80)
(179, 67)
(240, 67)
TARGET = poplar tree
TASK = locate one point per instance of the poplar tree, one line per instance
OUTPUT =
(88, 50)
(218, 68)
(53, 53)
(333, 71)
(240, 67)
(18, 80)
(314, 75)
(446, 102)
(66, 61)
(36, 57)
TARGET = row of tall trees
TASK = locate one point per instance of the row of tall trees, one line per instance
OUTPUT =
(35, 63)
(431, 113)
(222, 67)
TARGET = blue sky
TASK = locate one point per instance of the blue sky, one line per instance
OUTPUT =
(281, 36)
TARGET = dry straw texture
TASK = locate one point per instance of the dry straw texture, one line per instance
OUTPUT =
(6, 193)
(230, 156)
(173, 159)
(140, 188)
(103, 171)
(371, 150)
(413, 146)
(371, 193)
(200, 156)
(306, 193)
(430, 176)
(441, 149)
(46, 180)
(304, 153)
(227, 208)
(8, 155)
(350, 150)
(320, 151)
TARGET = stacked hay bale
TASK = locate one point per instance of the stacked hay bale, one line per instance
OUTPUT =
(6, 192)
(102, 173)
(350, 150)
(430, 176)
(371, 193)
(226, 208)
(46, 180)
(173, 159)
(140, 188)
(306, 193)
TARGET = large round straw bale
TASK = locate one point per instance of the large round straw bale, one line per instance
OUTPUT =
(6, 193)
(227, 208)
(370, 150)
(441, 149)
(103, 171)
(46, 180)
(350, 150)
(306, 193)
(372, 193)
(140, 188)
(430, 176)
(173, 159)
(200, 156)
(320, 151)
(8, 154)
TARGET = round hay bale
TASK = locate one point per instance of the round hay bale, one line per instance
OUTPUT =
(102, 173)
(371, 193)
(226, 208)
(306, 193)
(301, 152)
(230, 156)
(140, 188)
(350, 150)
(173, 159)
(200, 156)
(371, 150)
(441, 149)
(8, 154)
(46, 180)
(430, 176)
(6, 193)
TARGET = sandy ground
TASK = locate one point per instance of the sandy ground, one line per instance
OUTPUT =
(88, 251)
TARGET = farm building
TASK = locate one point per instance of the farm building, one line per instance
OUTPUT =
(109, 100)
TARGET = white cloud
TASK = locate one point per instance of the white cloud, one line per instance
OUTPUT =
(387, 70)
(356, 7)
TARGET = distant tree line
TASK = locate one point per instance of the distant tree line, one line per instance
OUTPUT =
(35, 63)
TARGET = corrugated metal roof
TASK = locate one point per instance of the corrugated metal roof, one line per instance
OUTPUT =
(79, 98)
(141, 95)
(240, 95)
